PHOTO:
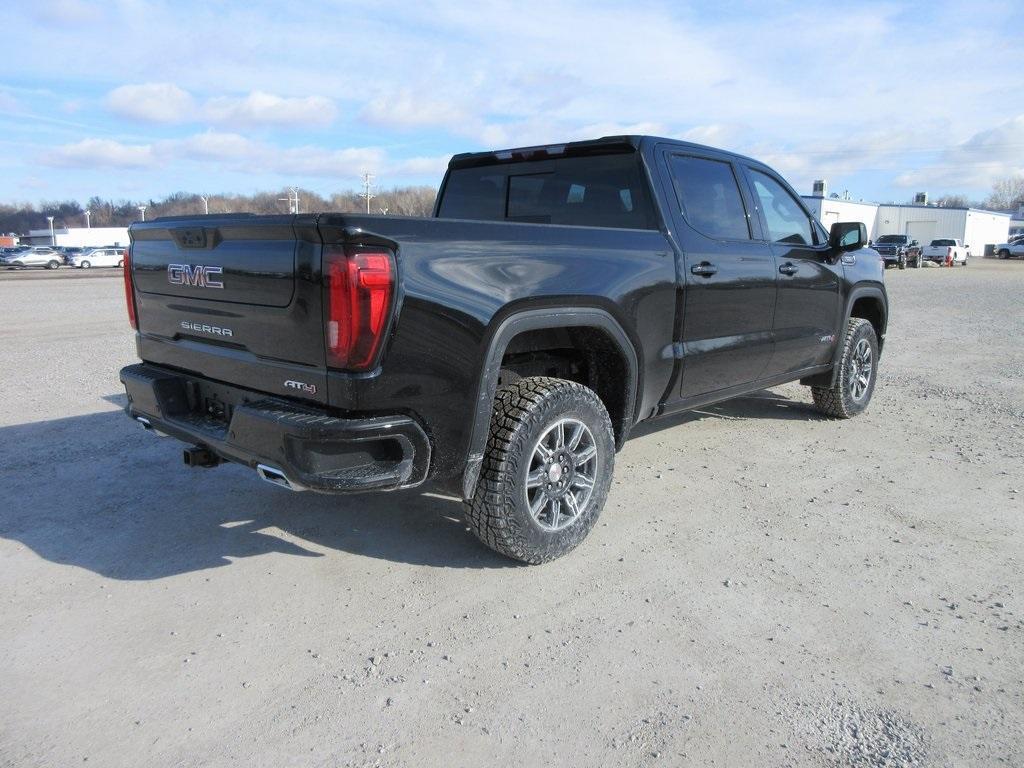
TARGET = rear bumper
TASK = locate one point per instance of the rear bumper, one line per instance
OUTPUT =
(310, 448)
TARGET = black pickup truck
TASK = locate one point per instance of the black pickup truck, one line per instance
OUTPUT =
(503, 349)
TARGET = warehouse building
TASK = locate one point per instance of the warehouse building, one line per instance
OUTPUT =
(82, 237)
(976, 228)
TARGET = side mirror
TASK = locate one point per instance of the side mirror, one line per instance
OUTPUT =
(847, 236)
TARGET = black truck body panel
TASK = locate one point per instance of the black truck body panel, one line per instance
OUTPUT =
(770, 312)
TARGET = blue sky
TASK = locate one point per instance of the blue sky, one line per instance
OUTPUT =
(138, 99)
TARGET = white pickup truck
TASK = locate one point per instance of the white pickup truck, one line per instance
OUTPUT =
(946, 250)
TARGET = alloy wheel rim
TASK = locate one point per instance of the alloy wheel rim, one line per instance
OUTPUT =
(860, 369)
(561, 474)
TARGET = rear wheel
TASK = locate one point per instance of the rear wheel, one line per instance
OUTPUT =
(86, 265)
(120, 264)
(917, 262)
(52, 264)
(902, 263)
(858, 370)
(546, 471)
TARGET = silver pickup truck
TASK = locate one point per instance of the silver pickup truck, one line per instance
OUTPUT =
(1015, 248)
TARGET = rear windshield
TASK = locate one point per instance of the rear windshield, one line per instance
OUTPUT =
(943, 242)
(601, 191)
(892, 239)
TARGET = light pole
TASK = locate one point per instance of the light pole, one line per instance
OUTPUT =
(206, 204)
(142, 210)
(88, 219)
(53, 240)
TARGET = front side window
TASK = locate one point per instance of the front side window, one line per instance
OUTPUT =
(787, 222)
(709, 197)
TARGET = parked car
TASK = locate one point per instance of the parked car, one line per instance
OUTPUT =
(35, 256)
(898, 250)
(504, 349)
(68, 252)
(947, 250)
(1012, 249)
(99, 257)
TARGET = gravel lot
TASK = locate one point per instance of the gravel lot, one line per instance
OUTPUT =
(765, 587)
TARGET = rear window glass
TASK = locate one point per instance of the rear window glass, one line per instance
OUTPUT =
(600, 191)
(709, 197)
(943, 242)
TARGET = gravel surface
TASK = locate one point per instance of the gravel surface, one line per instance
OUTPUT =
(765, 587)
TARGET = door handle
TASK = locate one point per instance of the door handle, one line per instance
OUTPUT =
(789, 268)
(704, 269)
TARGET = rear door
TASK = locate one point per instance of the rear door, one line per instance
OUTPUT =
(728, 276)
(809, 279)
(234, 298)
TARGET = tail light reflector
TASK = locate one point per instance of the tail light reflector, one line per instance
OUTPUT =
(129, 293)
(359, 294)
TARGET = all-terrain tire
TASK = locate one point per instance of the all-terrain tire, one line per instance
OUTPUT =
(838, 401)
(499, 512)
(902, 262)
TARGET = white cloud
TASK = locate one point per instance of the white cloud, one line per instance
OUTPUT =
(420, 166)
(991, 154)
(261, 108)
(101, 153)
(223, 151)
(406, 109)
(152, 102)
(214, 145)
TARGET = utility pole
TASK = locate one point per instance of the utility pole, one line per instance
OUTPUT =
(53, 240)
(142, 210)
(206, 204)
(88, 218)
(292, 199)
(366, 194)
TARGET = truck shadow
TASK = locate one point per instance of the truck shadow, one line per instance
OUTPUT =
(99, 493)
(764, 404)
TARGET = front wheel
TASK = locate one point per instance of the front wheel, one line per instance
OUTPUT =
(858, 371)
(86, 265)
(917, 262)
(546, 471)
(52, 264)
(1004, 254)
(902, 263)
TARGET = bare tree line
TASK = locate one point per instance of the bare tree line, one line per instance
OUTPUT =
(398, 201)
(1007, 195)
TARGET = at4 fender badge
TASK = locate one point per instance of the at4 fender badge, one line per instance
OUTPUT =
(309, 389)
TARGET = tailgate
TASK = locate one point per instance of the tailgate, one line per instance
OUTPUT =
(233, 298)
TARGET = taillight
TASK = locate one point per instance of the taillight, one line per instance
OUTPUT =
(129, 294)
(359, 291)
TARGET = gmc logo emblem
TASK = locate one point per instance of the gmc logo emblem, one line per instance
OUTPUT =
(197, 275)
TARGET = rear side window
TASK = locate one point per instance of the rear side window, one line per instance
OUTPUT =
(787, 222)
(710, 197)
(599, 191)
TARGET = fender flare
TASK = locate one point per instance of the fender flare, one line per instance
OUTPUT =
(532, 320)
(858, 292)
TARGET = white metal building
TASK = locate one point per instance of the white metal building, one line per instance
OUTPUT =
(79, 236)
(829, 210)
(974, 227)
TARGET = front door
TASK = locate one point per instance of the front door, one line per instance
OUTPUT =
(728, 277)
(807, 304)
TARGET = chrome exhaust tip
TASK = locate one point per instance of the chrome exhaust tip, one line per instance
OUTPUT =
(276, 477)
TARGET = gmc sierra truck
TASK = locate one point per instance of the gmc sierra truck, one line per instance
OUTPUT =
(503, 349)
(898, 250)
